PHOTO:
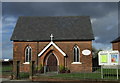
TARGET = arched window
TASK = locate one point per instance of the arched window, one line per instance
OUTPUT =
(76, 54)
(28, 53)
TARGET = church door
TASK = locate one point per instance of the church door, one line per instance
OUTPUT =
(52, 63)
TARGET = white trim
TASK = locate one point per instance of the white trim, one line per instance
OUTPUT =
(28, 47)
(51, 43)
(56, 58)
(75, 55)
(26, 63)
(76, 63)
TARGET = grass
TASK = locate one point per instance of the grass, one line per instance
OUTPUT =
(24, 74)
(78, 76)
(6, 70)
(96, 74)
(111, 73)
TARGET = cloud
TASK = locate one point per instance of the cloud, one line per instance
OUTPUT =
(106, 28)
(103, 17)
(59, 8)
(6, 46)
(8, 24)
(102, 46)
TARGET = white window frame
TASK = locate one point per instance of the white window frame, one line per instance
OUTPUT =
(27, 62)
(75, 49)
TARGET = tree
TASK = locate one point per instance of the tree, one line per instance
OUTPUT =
(95, 52)
(95, 56)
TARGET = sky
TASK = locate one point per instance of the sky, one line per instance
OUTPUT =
(104, 19)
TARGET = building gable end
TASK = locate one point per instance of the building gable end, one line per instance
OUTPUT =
(51, 43)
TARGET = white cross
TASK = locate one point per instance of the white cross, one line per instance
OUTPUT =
(51, 36)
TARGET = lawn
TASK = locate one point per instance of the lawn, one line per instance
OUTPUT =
(78, 76)
(96, 74)
(6, 70)
(24, 75)
(107, 74)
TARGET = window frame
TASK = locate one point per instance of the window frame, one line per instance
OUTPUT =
(76, 55)
(28, 59)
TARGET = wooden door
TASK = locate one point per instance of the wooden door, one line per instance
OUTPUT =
(52, 63)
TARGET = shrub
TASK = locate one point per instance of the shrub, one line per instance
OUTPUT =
(40, 68)
(62, 69)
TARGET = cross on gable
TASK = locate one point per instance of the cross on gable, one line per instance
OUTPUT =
(51, 36)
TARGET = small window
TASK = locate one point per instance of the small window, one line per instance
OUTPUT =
(28, 53)
(76, 54)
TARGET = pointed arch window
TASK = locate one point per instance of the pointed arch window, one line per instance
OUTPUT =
(28, 53)
(76, 54)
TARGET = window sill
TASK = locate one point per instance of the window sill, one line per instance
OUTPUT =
(76, 63)
(26, 63)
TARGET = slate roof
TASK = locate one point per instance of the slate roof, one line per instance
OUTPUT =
(62, 27)
(116, 40)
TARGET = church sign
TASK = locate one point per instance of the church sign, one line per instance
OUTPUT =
(109, 58)
(86, 52)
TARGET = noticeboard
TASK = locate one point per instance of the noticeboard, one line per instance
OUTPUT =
(109, 58)
(103, 58)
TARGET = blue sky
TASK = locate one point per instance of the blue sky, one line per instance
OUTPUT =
(104, 18)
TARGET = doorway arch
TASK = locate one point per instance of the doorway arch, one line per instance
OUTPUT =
(52, 62)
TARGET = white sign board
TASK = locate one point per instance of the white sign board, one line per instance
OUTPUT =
(86, 52)
(109, 58)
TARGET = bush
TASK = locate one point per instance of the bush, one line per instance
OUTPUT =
(40, 69)
(63, 69)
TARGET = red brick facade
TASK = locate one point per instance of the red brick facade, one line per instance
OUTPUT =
(65, 46)
(116, 46)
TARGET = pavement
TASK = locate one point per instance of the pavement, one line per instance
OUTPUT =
(24, 81)
(4, 79)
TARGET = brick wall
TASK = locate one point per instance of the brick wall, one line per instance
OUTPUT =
(116, 46)
(19, 53)
(67, 47)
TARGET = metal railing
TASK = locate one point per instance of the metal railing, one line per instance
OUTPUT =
(6, 70)
(95, 73)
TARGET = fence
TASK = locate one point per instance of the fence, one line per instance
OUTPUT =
(96, 73)
(6, 70)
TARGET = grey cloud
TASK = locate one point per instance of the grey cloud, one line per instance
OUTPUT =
(119, 19)
(51, 8)
(105, 26)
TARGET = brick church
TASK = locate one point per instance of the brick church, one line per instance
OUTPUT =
(53, 42)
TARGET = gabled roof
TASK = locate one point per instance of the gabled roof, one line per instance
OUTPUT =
(51, 43)
(62, 27)
(116, 40)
